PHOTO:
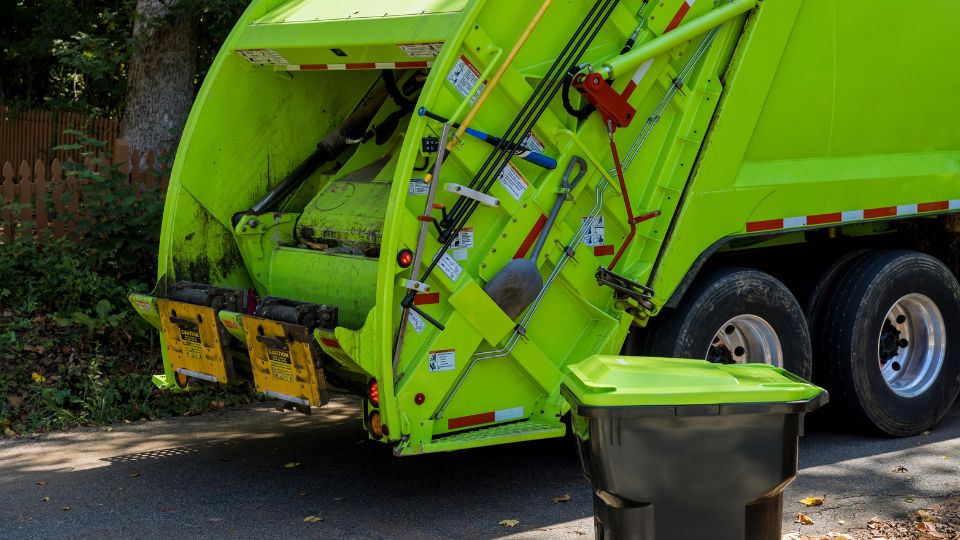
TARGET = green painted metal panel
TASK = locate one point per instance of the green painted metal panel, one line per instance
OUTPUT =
(796, 108)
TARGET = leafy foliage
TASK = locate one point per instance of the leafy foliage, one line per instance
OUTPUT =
(72, 351)
(72, 54)
(118, 222)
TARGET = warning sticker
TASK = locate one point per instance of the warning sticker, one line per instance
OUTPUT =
(192, 346)
(463, 76)
(418, 187)
(594, 236)
(280, 366)
(449, 266)
(513, 181)
(421, 50)
(263, 57)
(533, 143)
(460, 254)
(416, 321)
(464, 239)
(445, 360)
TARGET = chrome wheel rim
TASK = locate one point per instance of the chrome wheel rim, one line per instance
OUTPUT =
(743, 339)
(911, 345)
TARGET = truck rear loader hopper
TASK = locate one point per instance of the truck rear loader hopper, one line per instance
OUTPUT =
(438, 205)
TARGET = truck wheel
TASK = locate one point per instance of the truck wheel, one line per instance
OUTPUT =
(736, 315)
(883, 341)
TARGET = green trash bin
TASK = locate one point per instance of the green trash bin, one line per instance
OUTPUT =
(686, 449)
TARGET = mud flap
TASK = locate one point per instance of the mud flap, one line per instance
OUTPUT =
(197, 345)
(285, 360)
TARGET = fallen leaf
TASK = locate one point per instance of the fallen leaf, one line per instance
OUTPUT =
(301, 493)
(841, 522)
(925, 515)
(841, 536)
(509, 523)
(108, 428)
(45, 499)
(803, 519)
(133, 474)
(37, 378)
(41, 482)
(812, 501)
(312, 519)
(946, 457)
(292, 464)
(909, 499)
(562, 499)
(64, 507)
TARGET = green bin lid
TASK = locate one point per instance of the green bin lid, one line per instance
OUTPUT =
(625, 381)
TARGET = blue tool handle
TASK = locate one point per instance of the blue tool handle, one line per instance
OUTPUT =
(537, 158)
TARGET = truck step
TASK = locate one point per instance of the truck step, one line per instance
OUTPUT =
(529, 430)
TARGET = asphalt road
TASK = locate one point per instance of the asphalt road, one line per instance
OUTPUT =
(224, 475)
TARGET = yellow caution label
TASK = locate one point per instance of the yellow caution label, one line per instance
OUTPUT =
(280, 365)
(192, 345)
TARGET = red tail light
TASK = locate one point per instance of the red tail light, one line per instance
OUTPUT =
(405, 258)
(373, 392)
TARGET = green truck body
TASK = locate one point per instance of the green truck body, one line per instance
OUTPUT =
(777, 135)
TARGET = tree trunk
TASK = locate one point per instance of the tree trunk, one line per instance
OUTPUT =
(160, 76)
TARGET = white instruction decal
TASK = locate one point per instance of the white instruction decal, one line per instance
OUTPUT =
(263, 57)
(415, 321)
(418, 187)
(449, 266)
(445, 360)
(464, 239)
(594, 235)
(460, 254)
(463, 76)
(513, 181)
(533, 143)
(421, 50)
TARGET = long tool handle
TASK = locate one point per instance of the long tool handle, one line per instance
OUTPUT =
(418, 254)
(521, 152)
(503, 69)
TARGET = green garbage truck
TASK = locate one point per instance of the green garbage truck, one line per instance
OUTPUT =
(438, 205)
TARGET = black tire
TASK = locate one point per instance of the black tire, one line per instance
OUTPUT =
(847, 339)
(718, 297)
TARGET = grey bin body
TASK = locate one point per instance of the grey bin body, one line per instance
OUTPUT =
(690, 472)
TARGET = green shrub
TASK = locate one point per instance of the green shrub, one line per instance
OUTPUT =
(72, 350)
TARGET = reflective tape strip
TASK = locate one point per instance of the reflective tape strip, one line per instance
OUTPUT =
(848, 216)
(637, 78)
(197, 375)
(681, 13)
(361, 65)
(502, 415)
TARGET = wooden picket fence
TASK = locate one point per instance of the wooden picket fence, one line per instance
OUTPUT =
(35, 199)
(29, 135)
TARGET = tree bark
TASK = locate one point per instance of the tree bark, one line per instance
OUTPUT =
(160, 76)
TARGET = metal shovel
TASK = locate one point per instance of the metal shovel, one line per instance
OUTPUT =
(517, 284)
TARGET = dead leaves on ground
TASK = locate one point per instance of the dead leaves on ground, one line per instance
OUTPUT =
(313, 519)
(812, 501)
(509, 523)
(562, 499)
(291, 465)
(803, 519)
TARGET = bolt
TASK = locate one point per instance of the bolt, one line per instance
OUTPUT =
(254, 222)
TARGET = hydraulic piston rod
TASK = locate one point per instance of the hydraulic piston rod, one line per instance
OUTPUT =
(627, 63)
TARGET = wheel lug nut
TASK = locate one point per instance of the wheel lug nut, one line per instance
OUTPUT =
(903, 343)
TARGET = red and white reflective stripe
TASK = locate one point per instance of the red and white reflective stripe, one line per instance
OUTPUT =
(852, 215)
(681, 13)
(364, 65)
(637, 77)
(485, 418)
